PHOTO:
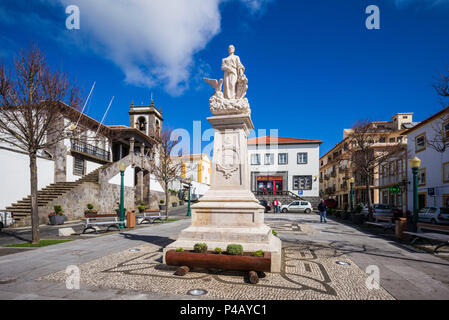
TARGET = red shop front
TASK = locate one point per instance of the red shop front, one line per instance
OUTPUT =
(269, 183)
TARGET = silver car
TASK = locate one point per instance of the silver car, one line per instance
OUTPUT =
(379, 209)
(434, 215)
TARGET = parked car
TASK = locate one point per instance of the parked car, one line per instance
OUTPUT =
(266, 205)
(331, 203)
(434, 215)
(297, 206)
(378, 209)
(6, 219)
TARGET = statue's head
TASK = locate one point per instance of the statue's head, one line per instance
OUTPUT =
(231, 49)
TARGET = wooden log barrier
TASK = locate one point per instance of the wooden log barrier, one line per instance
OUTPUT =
(253, 277)
(182, 271)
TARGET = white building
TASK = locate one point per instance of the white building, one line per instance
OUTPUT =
(429, 141)
(282, 165)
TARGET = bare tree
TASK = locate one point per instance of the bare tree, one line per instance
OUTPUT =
(439, 141)
(32, 113)
(166, 167)
(365, 154)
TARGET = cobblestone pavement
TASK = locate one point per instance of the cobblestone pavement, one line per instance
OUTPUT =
(310, 252)
(308, 272)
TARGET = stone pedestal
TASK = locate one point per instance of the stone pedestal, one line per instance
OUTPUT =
(229, 212)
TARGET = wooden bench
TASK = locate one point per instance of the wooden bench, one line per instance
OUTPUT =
(150, 216)
(385, 225)
(109, 220)
(441, 235)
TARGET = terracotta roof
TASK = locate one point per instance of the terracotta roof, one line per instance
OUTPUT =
(281, 140)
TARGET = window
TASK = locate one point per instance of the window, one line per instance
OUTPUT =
(399, 139)
(269, 158)
(421, 177)
(302, 157)
(78, 166)
(392, 139)
(446, 172)
(420, 142)
(282, 158)
(382, 140)
(446, 130)
(302, 182)
(255, 159)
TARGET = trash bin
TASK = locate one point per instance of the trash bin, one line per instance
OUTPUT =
(401, 226)
(130, 219)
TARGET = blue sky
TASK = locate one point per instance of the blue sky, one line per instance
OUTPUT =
(313, 67)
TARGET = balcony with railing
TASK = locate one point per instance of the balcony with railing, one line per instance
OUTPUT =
(90, 150)
(388, 180)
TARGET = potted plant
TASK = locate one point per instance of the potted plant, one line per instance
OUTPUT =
(57, 217)
(234, 258)
(117, 210)
(174, 204)
(142, 207)
(161, 205)
(90, 209)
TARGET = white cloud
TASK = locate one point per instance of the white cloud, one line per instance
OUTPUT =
(153, 42)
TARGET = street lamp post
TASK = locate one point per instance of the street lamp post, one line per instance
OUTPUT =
(414, 165)
(122, 168)
(351, 193)
(189, 212)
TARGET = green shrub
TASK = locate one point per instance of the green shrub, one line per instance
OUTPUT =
(162, 202)
(234, 249)
(90, 206)
(142, 207)
(218, 251)
(200, 248)
(58, 210)
(258, 253)
(274, 233)
(179, 250)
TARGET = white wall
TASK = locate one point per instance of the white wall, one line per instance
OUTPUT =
(90, 166)
(128, 179)
(432, 161)
(311, 168)
(15, 175)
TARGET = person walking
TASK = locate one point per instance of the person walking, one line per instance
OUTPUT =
(279, 206)
(322, 209)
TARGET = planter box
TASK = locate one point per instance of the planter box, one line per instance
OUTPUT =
(174, 204)
(181, 203)
(345, 215)
(162, 207)
(219, 261)
(57, 220)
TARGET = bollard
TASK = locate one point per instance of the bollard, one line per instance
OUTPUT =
(401, 226)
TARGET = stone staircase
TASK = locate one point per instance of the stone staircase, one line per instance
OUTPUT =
(21, 209)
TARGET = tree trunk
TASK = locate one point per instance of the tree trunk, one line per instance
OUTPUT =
(166, 202)
(34, 208)
(368, 195)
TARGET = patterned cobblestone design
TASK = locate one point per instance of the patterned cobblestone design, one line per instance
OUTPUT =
(308, 272)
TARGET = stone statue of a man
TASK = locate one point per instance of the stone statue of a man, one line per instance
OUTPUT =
(233, 72)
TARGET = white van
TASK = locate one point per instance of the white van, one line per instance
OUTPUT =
(6, 219)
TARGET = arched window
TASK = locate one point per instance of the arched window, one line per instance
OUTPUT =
(142, 124)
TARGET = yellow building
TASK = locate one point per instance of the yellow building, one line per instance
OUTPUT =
(197, 167)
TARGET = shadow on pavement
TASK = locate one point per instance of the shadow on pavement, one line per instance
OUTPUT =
(156, 240)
